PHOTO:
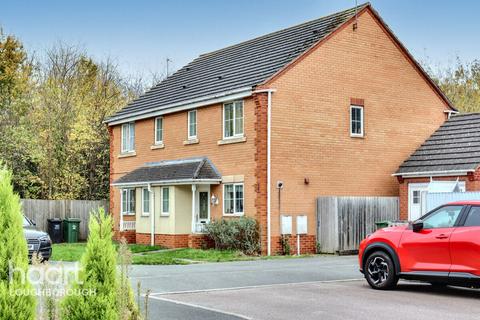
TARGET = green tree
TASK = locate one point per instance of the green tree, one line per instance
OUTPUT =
(18, 142)
(98, 276)
(461, 84)
(13, 256)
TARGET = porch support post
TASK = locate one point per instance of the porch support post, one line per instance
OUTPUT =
(194, 189)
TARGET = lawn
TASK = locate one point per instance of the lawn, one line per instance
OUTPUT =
(186, 256)
(142, 255)
(74, 251)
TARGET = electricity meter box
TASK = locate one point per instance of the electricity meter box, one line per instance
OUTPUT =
(286, 224)
(301, 224)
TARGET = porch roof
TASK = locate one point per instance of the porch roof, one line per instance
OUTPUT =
(181, 171)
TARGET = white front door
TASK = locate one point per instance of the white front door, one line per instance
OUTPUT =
(417, 200)
(202, 209)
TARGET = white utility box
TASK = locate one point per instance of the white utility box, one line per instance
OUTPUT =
(302, 225)
(286, 224)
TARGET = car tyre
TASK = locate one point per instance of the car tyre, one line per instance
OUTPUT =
(379, 271)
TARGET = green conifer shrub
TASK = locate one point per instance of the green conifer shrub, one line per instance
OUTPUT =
(96, 297)
(16, 302)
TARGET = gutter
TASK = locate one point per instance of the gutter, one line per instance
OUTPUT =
(433, 173)
(180, 106)
(165, 182)
(269, 167)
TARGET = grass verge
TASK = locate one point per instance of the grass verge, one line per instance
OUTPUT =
(74, 251)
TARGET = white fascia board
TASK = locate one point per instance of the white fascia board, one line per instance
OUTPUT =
(446, 173)
(165, 183)
(183, 105)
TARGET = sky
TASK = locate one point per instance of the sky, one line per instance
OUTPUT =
(139, 35)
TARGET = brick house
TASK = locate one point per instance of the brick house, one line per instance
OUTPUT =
(328, 107)
(449, 160)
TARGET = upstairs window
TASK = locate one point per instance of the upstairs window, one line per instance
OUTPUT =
(233, 119)
(159, 130)
(128, 137)
(356, 121)
(192, 124)
(128, 201)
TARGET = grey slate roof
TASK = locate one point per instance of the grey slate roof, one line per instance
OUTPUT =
(187, 170)
(239, 66)
(454, 146)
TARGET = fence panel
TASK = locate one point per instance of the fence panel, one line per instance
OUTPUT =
(343, 222)
(437, 199)
(42, 210)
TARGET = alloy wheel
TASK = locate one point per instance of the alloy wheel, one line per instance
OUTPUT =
(378, 270)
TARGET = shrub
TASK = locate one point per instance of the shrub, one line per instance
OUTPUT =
(235, 234)
(98, 276)
(13, 249)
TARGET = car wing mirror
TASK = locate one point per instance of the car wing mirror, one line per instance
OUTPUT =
(417, 225)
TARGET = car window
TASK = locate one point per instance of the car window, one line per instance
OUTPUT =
(444, 217)
(473, 218)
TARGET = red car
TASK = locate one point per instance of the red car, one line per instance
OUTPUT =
(442, 247)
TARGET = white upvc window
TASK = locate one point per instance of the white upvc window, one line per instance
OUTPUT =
(356, 121)
(128, 202)
(192, 124)
(233, 119)
(165, 201)
(145, 202)
(159, 130)
(233, 199)
(128, 137)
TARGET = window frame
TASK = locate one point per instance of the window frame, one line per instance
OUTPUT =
(235, 135)
(164, 213)
(158, 142)
(235, 213)
(146, 213)
(128, 142)
(128, 200)
(362, 121)
(192, 137)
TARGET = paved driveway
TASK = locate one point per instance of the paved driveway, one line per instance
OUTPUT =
(326, 287)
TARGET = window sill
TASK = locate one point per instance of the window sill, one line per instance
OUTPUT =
(233, 214)
(157, 146)
(232, 140)
(128, 214)
(145, 215)
(166, 215)
(191, 141)
(357, 136)
(127, 154)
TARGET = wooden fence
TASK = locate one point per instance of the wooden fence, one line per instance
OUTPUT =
(343, 222)
(41, 210)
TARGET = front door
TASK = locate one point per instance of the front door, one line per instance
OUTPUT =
(203, 204)
(429, 249)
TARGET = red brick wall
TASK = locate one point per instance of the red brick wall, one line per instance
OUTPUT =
(130, 236)
(199, 241)
(310, 120)
(472, 183)
(261, 108)
(308, 244)
(164, 240)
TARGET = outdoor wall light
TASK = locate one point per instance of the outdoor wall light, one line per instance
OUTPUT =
(214, 200)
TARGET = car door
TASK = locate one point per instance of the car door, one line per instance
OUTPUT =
(429, 248)
(465, 244)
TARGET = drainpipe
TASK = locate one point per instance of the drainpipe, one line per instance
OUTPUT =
(269, 179)
(152, 215)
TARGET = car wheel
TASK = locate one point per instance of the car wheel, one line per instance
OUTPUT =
(380, 271)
